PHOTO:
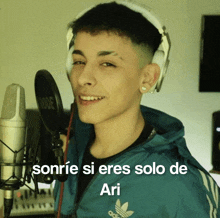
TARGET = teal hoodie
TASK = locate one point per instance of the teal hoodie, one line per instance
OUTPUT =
(186, 191)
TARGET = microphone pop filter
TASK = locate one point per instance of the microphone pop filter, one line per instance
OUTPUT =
(49, 101)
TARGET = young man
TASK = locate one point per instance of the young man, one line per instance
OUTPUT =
(132, 160)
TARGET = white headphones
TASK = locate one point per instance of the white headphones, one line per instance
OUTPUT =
(160, 56)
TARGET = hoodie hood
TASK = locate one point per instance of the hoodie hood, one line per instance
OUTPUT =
(170, 133)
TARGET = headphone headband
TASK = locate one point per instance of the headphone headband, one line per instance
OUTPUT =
(160, 56)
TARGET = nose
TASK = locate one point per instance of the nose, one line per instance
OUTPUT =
(86, 76)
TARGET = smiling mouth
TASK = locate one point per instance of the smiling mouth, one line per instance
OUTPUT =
(90, 98)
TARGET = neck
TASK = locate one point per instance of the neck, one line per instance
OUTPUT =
(116, 134)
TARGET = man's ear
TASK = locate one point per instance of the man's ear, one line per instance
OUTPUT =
(150, 73)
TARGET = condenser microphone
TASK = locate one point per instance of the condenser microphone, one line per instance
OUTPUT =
(12, 141)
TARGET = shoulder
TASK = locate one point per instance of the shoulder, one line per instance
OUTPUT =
(183, 187)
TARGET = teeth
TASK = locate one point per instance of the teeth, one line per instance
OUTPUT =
(90, 98)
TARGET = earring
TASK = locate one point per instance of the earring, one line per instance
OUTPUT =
(143, 88)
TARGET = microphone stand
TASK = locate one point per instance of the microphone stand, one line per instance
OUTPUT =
(10, 185)
(57, 147)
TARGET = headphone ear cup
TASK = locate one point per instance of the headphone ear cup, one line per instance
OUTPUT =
(69, 61)
(158, 58)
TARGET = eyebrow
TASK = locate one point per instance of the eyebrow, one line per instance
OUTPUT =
(78, 52)
(104, 53)
(100, 53)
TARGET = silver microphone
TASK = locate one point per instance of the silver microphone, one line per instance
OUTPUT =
(12, 141)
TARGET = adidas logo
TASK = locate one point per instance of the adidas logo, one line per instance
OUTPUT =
(121, 210)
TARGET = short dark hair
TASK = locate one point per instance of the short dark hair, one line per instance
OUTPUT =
(120, 19)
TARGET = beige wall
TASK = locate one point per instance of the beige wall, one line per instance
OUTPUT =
(32, 34)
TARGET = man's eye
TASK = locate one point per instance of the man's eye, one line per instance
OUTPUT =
(107, 64)
(78, 63)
